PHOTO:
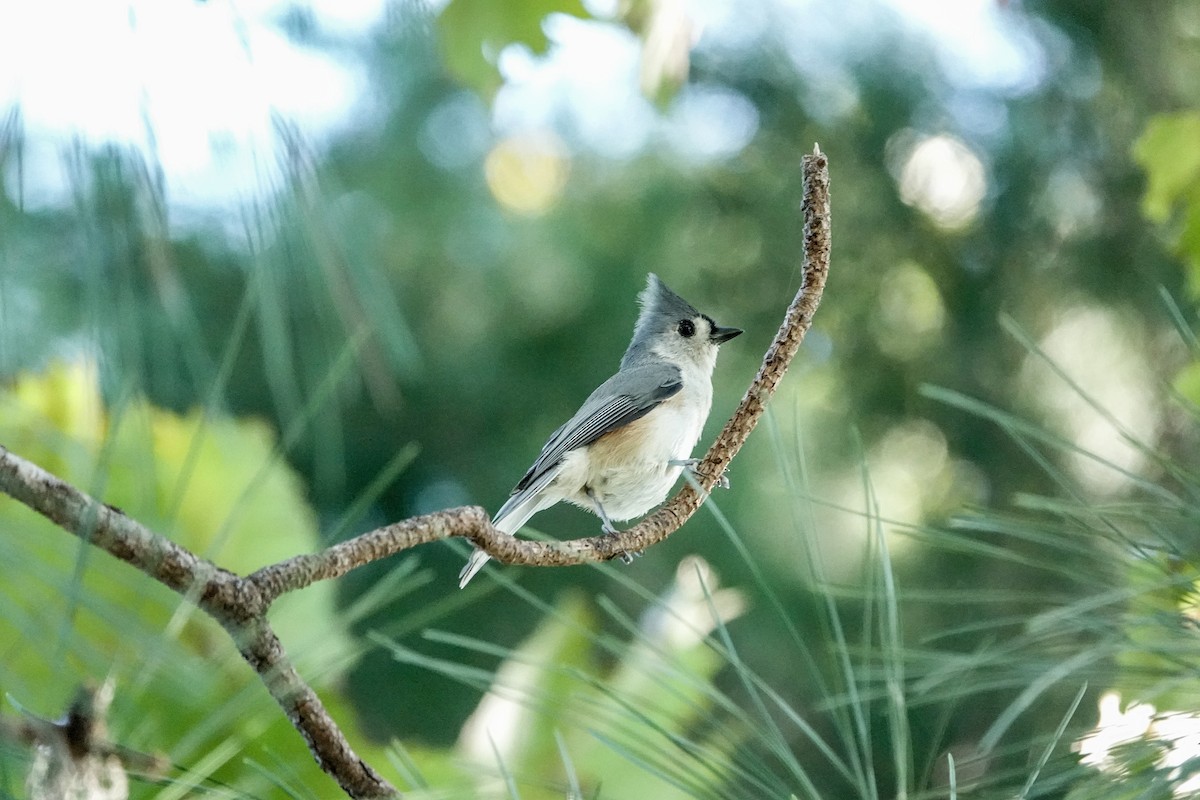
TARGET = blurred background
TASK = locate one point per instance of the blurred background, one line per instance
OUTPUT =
(273, 274)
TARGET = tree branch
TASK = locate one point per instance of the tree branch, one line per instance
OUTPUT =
(472, 522)
(234, 602)
(240, 604)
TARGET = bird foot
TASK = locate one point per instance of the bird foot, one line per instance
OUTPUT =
(692, 466)
(625, 556)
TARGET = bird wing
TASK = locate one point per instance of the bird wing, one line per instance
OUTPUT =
(627, 396)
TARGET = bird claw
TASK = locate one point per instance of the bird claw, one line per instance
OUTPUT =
(692, 466)
(626, 556)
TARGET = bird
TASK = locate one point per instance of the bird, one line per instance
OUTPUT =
(621, 453)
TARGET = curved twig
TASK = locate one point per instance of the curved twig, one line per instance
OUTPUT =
(472, 522)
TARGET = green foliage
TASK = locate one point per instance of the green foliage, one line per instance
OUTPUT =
(1167, 152)
(574, 708)
(72, 615)
(473, 32)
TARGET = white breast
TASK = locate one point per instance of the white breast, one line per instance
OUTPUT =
(629, 469)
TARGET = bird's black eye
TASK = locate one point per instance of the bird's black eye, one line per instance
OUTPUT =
(687, 328)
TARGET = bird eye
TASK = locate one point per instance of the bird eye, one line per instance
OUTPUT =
(687, 328)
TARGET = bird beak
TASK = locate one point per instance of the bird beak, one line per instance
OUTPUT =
(720, 335)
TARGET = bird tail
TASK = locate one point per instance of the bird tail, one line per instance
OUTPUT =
(509, 519)
(474, 564)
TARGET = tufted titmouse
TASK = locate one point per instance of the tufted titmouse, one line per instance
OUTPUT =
(623, 450)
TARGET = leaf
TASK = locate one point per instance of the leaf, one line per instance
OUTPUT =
(1187, 382)
(69, 613)
(544, 668)
(1169, 151)
(474, 32)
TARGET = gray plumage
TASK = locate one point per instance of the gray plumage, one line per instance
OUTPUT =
(661, 310)
(619, 455)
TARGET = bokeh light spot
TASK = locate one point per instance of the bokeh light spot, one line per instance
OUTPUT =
(709, 122)
(456, 133)
(911, 475)
(527, 173)
(945, 179)
(1098, 392)
(911, 312)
